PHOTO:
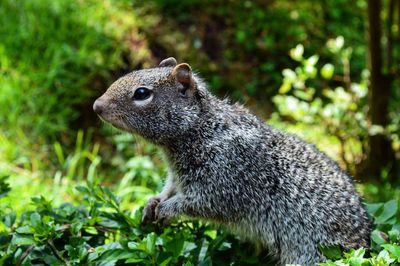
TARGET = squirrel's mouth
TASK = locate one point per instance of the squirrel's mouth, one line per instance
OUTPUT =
(115, 120)
(102, 108)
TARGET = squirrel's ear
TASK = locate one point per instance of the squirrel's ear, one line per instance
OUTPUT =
(183, 74)
(169, 62)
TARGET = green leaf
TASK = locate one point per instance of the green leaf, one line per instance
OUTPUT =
(332, 252)
(203, 250)
(361, 90)
(312, 60)
(394, 235)
(115, 255)
(303, 95)
(297, 53)
(327, 71)
(18, 239)
(175, 245)
(188, 247)
(135, 260)
(334, 45)
(372, 208)
(206, 262)
(76, 227)
(26, 229)
(225, 246)
(356, 257)
(151, 243)
(9, 219)
(133, 245)
(164, 258)
(378, 237)
(393, 249)
(389, 210)
(339, 42)
(285, 87)
(111, 223)
(41, 202)
(211, 233)
(35, 220)
(59, 152)
(76, 248)
(289, 74)
(83, 189)
(383, 258)
(53, 260)
(91, 230)
(111, 197)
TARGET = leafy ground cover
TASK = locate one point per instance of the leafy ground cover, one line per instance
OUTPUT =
(99, 232)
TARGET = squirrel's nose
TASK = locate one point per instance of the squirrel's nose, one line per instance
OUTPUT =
(98, 106)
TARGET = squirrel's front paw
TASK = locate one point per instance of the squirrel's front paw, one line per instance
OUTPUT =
(149, 210)
(163, 213)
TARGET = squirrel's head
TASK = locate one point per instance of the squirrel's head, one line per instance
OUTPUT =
(161, 104)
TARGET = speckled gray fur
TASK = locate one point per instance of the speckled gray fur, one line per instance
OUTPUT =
(227, 166)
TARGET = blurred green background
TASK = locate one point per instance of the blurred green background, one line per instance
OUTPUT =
(327, 71)
(301, 65)
(304, 66)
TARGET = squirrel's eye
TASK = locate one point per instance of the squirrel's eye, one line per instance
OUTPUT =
(142, 93)
(183, 91)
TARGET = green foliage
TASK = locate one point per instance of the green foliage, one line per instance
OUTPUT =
(53, 59)
(323, 95)
(134, 172)
(98, 231)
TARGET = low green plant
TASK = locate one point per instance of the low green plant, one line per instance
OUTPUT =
(134, 172)
(98, 231)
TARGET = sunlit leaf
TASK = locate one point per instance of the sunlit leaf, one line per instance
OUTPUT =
(297, 52)
(327, 71)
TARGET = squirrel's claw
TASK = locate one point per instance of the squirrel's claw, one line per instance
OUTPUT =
(149, 211)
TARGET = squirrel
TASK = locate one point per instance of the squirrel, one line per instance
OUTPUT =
(229, 167)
